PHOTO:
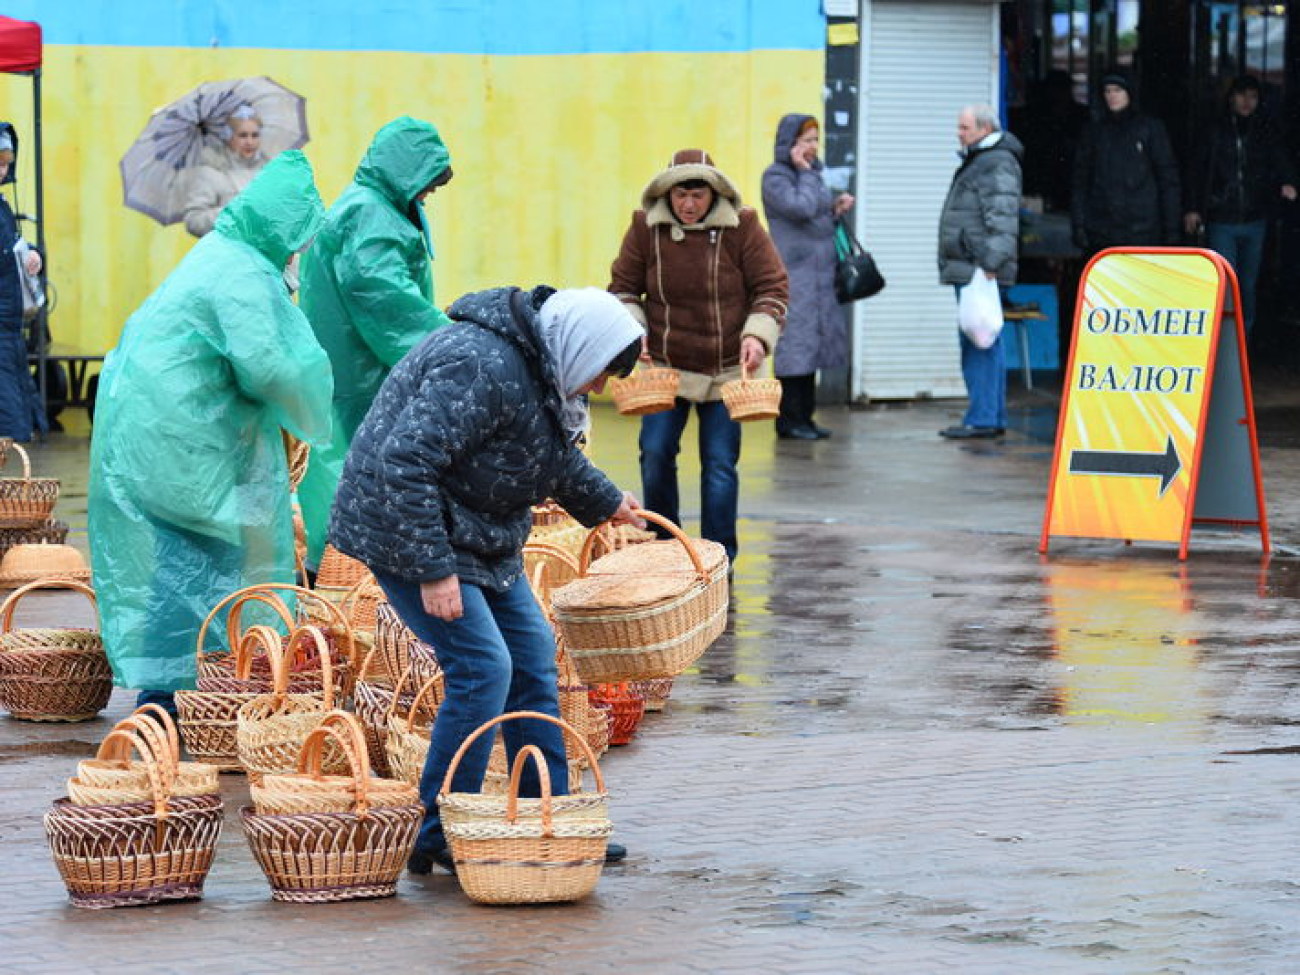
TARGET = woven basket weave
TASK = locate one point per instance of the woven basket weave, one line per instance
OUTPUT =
(398, 650)
(339, 571)
(27, 501)
(42, 562)
(752, 399)
(373, 696)
(649, 610)
(50, 532)
(649, 390)
(49, 674)
(321, 857)
(626, 709)
(407, 745)
(510, 850)
(129, 854)
(112, 778)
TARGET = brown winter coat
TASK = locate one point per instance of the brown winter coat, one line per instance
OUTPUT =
(700, 288)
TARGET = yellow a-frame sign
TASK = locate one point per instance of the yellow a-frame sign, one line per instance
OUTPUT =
(1157, 424)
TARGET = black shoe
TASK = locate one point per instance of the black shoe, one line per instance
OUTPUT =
(422, 863)
(972, 433)
(822, 432)
(799, 431)
(615, 852)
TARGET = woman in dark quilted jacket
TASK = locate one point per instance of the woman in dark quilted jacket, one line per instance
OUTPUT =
(477, 424)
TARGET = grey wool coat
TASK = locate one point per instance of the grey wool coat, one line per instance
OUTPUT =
(980, 222)
(464, 437)
(797, 205)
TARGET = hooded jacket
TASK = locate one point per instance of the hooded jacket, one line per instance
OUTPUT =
(798, 207)
(220, 176)
(367, 289)
(700, 288)
(979, 226)
(465, 436)
(189, 485)
(1126, 187)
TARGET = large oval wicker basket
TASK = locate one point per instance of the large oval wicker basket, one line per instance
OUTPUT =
(52, 674)
(648, 610)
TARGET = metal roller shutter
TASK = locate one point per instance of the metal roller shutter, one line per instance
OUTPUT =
(921, 62)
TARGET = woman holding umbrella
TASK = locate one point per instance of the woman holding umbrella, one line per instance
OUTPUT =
(225, 170)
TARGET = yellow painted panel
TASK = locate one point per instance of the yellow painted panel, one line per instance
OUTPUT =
(550, 153)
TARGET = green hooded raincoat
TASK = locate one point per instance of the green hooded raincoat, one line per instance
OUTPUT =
(189, 486)
(367, 289)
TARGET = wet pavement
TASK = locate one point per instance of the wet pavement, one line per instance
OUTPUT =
(920, 747)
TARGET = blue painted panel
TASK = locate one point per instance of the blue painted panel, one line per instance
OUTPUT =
(1044, 339)
(502, 27)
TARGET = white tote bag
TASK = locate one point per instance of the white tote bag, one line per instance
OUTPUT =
(979, 310)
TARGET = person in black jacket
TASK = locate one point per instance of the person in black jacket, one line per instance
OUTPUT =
(478, 423)
(1239, 174)
(21, 415)
(1126, 188)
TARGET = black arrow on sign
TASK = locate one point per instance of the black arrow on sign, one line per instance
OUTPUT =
(1126, 463)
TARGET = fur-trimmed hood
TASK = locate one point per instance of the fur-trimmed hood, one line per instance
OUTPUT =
(689, 164)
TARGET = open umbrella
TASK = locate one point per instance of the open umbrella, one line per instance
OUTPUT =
(153, 169)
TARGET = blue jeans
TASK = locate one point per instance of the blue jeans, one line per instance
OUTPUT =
(985, 373)
(661, 438)
(1242, 246)
(499, 656)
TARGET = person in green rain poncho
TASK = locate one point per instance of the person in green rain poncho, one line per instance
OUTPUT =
(189, 483)
(367, 288)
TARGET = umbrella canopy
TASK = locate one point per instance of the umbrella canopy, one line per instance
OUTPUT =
(153, 169)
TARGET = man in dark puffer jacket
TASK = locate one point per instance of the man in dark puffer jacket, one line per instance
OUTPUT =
(475, 426)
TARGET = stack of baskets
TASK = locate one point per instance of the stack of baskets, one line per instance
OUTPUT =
(320, 838)
(647, 611)
(511, 850)
(148, 842)
(49, 674)
(27, 503)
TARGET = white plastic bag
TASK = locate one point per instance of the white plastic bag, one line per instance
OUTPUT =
(979, 310)
(30, 284)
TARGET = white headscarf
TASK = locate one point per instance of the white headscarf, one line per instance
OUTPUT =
(583, 329)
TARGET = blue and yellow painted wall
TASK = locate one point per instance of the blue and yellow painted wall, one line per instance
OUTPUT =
(556, 112)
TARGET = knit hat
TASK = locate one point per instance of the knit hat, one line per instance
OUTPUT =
(1118, 79)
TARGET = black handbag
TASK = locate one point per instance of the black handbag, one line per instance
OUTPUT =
(856, 274)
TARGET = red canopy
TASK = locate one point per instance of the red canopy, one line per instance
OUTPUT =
(20, 46)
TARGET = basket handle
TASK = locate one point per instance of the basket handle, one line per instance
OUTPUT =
(564, 726)
(8, 607)
(534, 754)
(364, 671)
(357, 591)
(235, 615)
(159, 784)
(27, 464)
(342, 728)
(257, 636)
(429, 685)
(350, 649)
(584, 562)
(156, 714)
(400, 686)
(301, 635)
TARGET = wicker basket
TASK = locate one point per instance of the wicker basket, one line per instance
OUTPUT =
(42, 562)
(220, 670)
(50, 532)
(357, 603)
(52, 674)
(27, 501)
(321, 857)
(135, 853)
(111, 778)
(374, 695)
(310, 790)
(338, 571)
(548, 567)
(399, 650)
(271, 728)
(655, 691)
(752, 399)
(650, 610)
(626, 709)
(649, 390)
(510, 850)
(407, 744)
(297, 454)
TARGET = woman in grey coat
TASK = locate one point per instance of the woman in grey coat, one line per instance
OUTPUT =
(801, 214)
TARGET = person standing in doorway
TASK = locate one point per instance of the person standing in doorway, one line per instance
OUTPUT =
(1241, 171)
(979, 228)
(1126, 187)
(801, 215)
